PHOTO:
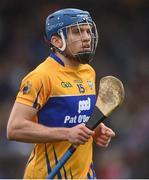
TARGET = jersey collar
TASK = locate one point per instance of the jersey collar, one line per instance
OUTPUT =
(56, 58)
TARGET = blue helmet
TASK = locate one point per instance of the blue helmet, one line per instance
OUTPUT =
(63, 18)
(57, 23)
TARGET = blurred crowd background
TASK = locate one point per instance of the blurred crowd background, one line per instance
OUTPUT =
(123, 51)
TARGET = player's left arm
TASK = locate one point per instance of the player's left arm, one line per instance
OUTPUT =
(103, 135)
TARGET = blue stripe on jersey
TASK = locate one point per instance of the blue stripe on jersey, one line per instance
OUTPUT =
(89, 176)
(94, 174)
(36, 104)
(56, 160)
(56, 58)
(47, 160)
(66, 111)
(36, 101)
(31, 157)
(65, 175)
(71, 174)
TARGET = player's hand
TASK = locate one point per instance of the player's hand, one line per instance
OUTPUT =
(103, 135)
(79, 134)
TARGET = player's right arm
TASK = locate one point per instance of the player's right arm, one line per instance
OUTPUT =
(22, 128)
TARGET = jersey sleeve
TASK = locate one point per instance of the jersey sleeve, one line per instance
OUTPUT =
(34, 90)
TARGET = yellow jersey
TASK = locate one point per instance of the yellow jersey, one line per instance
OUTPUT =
(64, 97)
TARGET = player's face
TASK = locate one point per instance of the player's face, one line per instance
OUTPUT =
(78, 39)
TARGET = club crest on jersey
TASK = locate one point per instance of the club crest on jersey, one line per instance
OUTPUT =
(81, 88)
(27, 88)
(90, 84)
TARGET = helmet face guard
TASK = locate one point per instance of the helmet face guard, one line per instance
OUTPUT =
(84, 56)
(62, 22)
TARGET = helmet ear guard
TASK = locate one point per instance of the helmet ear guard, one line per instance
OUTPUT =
(59, 22)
